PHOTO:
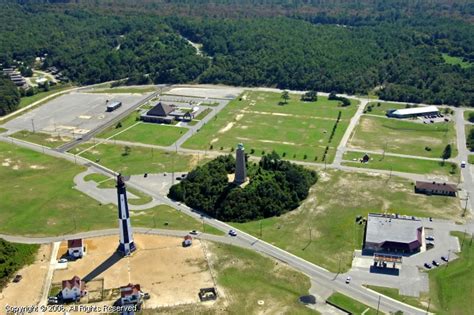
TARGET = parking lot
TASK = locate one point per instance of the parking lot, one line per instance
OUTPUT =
(73, 114)
(431, 119)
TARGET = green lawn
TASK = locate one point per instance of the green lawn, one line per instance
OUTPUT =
(135, 89)
(149, 133)
(421, 302)
(209, 104)
(292, 130)
(248, 277)
(329, 215)
(406, 165)
(108, 182)
(403, 137)
(128, 121)
(471, 159)
(140, 160)
(351, 305)
(98, 178)
(451, 60)
(27, 100)
(166, 217)
(451, 286)
(466, 114)
(41, 138)
(381, 108)
(3, 130)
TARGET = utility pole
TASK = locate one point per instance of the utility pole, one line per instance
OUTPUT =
(260, 228)
(310, 238)
(465, 207)
(428, 308)
(384, 148)
(154, 222)
(33, 124)
(378, 304)
(463, 238)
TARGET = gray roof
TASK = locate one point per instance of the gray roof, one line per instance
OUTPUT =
(382, 228)
(160, 109)
(416, 110)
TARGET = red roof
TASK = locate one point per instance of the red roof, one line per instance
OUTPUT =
(75, 282)
(74, 243)
(188, 237)
(436, 186)
(129, 289)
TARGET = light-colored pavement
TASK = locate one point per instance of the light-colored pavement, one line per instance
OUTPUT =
(49, 275)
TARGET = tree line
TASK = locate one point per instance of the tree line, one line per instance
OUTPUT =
(276, 187)
(13, 257)
(9, 96)
(386, 48)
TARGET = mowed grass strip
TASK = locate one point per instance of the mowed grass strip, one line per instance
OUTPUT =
(381, 108)
(118, 90)
(329, 212)
(399, 164)
(248, 277)
(403, 137)
(155, 134)
(125, 123)
(421, 302)
(351, 305)
(451, 286)
(297, 130)
(41, 138)
(139, 160)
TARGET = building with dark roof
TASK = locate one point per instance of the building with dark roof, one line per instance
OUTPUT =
(75, 248)
(165, 113)
(392, 234)
(434, 188)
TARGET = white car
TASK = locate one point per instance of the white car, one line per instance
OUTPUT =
(348, 279)
(463, 164)
(63, 260)
(232, 233)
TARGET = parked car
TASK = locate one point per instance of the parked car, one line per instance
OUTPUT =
(435, 263)
(146, 296)
(431, 219)
(194, 232)
(178, 178)
(183, 175)
(463, 164)
(429, 238)
(348, 279)
(17, 278)
(444, 258)
(63, 260)
(232, 233)
(427, 265)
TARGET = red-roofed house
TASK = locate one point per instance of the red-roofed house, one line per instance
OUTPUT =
(130, 294)
(73, 289)
(75, 248)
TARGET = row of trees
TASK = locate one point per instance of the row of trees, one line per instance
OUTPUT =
(276, 187)
(13, 257)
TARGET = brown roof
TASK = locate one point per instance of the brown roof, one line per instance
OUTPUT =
(436, 186)
(75, 282)
(74, 243)
(129, 289)
(160, 109)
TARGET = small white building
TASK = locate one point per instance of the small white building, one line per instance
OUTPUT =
(75, 248)
(413, 112)
(130, 294)
(73, 289)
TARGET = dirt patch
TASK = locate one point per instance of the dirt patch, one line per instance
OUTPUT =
(227, 127)
(280, 142)
(170, 273)
(214, 140)
(37, 167)
(239, 117)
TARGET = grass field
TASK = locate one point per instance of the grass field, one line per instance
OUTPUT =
(96, 177)
(140, 160)
(406, 165)
(148, 133)
(466, 114)
(130, 120)
(451, 286)
(41, 138)
(381, 108)
(248, 277)
(3, 130)
(292, 130)
(27, 100)
(203, 114)
(351, 305)
(35, 203)
(421, 302)
(471, 159)
(329, 215)
(456, 61)
(403, 137)
(139, 90)
(108, 182)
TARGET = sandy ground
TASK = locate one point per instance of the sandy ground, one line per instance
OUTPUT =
(170, 273)
(28, 291)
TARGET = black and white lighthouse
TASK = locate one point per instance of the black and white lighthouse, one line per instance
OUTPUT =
(126, 246)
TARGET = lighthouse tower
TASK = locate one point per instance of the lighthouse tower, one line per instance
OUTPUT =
(240, 168)
(126, 245)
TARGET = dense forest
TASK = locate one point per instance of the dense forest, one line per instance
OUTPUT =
(275, 187)
(394, 48)
(9, 96)
(13, 257)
